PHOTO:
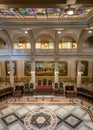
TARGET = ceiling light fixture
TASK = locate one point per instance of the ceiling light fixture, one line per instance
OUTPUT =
(59, 31)
(70, 10)
(26, 31)
(89, 31)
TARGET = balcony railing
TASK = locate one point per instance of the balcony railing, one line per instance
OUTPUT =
(21, 51)
(44, 52)
(87, 50)
(67, 50)
(4, 51)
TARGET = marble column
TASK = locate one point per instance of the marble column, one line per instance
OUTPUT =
(11, 68)
(20, 69)
(33, 72)
(79, 74)
(56, 73)
(72, 69)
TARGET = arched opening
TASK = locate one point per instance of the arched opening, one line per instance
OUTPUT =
(22, 43)
(44, 42)
(67, 43)
(88, 43)
(2, 44)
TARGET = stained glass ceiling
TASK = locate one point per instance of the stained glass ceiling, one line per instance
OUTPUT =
(44, 13)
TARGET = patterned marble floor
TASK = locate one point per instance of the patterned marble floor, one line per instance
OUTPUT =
(44, 117)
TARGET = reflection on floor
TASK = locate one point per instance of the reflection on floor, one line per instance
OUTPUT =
(44, 117)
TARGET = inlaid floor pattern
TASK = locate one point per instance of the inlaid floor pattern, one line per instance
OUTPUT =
(44, 117)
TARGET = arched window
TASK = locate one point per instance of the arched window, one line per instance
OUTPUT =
(2, 44)
(22, 43)
(44, 43)
(88, 43)
(67, 43)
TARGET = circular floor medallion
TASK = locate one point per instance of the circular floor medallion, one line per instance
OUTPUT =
(40, 119)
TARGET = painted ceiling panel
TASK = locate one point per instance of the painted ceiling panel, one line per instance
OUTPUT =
(43, 12)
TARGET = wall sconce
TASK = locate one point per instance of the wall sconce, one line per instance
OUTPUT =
(32, 72)
(8, 72)
(56, 72)
(80, 72)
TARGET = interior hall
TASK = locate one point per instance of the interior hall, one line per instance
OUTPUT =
(46, 65)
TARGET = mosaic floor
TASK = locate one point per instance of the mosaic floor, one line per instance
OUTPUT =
(44, 117)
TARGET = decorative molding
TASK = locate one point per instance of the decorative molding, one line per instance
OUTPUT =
(19, 24)
(63, 56)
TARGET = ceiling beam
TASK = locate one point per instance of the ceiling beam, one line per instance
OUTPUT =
(42, 3)
(33, 3)
(70, 2)
(84, 2)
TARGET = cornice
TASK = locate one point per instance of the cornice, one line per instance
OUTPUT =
(19, 24)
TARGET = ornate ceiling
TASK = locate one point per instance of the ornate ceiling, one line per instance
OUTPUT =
(46, 11)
